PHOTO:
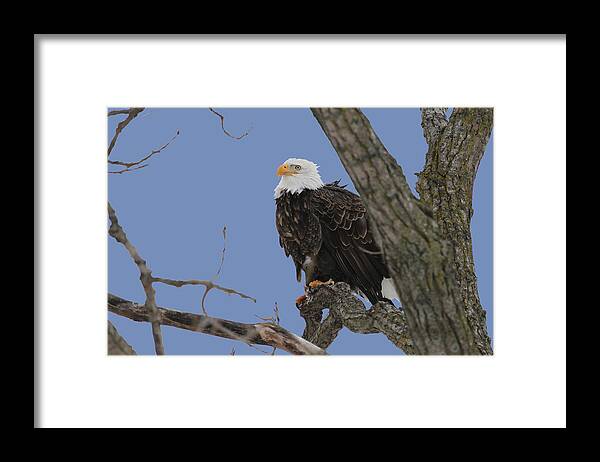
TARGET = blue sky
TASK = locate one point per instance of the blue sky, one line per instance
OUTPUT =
(174, 211)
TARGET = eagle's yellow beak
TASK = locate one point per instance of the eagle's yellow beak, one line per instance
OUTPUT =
(283, 170)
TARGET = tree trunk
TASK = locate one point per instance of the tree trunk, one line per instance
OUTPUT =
(446, 185)
(420, 259)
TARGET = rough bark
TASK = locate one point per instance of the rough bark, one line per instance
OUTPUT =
(268, 334)
(346, 310)
(446, 186)
(433, 121)
(117, 345)
(420, 259)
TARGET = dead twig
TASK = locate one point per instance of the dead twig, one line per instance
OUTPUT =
(223, 126)
(222, 254)
(209, 285)
(274, 319)
(126, 170)
(128, 165)
(132, 113)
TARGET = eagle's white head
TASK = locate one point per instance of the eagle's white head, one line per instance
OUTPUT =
(296, 176)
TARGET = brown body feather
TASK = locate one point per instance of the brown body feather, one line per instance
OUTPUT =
(326, 232)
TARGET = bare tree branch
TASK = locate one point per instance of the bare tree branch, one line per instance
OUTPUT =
(116, 231)
(117, 345)
(128, 165)
(420, 260)
(346, 310)
(215, 277)
(132, 113)
(223, 126)
(127, 170)
(147, 280)
(268, 334)
(202, 282)
(320, 333)
(446, 186)
(273, 319)
(209, 285)
(118, 111)
(146, 277)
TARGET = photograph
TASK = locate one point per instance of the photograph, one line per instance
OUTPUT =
(323, 231)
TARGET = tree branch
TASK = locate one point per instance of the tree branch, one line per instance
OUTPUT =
(268, 334)
(446, 186)
(116, 231)
(346, 310)
(128, 165)
(117, 345)
(118, 111)
(132, 113)
(420, 261)
(209, 285)
(223, 126)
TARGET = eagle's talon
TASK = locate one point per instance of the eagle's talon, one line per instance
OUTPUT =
(316, 283)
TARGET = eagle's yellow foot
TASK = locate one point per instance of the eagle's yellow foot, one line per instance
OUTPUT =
(301, 299)
(317, 283)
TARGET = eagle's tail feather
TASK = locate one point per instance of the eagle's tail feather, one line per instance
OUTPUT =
(388, 289)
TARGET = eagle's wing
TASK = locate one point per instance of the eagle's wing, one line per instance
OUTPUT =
(345, 230)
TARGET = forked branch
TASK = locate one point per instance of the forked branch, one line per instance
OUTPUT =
(346, 310)
(117, 232)
(147, 280)
(139, 164)
(222, 117)
(132, 113)
(208, 285)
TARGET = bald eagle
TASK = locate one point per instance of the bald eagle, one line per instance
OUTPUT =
(325, 229)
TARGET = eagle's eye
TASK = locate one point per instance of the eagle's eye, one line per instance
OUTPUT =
(297, 167)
